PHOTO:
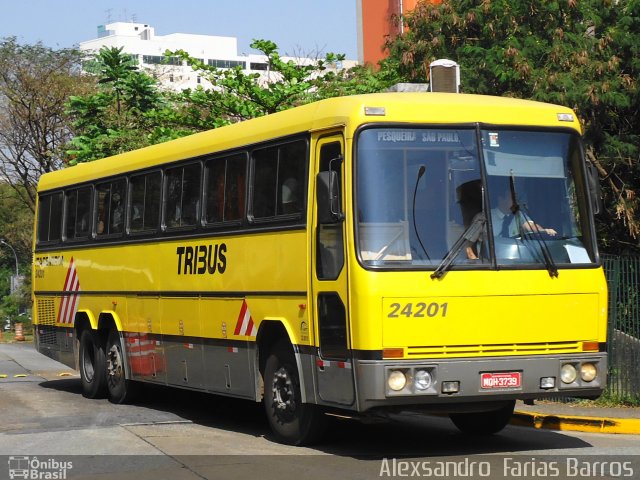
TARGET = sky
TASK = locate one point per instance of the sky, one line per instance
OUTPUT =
(298, 27)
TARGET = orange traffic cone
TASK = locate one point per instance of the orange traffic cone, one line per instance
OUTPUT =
(19, 333)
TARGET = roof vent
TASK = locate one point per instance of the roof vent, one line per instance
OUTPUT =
(445, 76)
(409, 87)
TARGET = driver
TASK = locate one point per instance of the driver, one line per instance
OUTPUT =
(505, 223)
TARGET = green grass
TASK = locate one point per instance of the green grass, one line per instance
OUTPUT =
(610, 400)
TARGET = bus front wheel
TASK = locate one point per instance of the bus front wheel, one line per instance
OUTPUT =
(484, 423)
(92, 365)
(121, 390)
(292, 422)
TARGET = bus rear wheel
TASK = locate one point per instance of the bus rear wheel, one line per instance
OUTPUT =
(292, 422)
(121, 389)
(92, 365)
(484, 423)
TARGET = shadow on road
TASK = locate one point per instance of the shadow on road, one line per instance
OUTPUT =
(403, 437)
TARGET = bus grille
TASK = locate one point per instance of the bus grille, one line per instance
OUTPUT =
(494, 349)
(46, 311)
(46, 321)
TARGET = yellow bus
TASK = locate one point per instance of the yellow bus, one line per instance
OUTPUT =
(365, 255)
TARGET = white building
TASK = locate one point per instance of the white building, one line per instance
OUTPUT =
(140, 41)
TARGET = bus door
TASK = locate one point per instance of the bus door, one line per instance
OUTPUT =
(334, 371)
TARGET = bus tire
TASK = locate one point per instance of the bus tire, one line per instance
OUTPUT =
(292, 422)
(92, 365)
(121, 390)
(483, 423)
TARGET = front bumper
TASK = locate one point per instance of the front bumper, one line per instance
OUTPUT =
(373, 390)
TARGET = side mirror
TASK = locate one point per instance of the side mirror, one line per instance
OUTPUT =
(328, 198)
(595, 191)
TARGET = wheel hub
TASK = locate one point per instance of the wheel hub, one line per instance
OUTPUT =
(114, 363)
(284, 400)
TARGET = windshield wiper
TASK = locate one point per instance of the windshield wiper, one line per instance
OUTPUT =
(537, 235)
(421, 171)
(542, 243)
(471, 235)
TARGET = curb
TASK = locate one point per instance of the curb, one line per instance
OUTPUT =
(629, 426)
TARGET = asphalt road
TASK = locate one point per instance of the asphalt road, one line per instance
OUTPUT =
(187, 435)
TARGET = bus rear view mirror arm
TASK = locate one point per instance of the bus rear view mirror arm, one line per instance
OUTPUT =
(595, 191)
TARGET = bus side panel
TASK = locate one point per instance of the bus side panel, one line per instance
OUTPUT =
(228, 364)
(56, 342)
(54, 335)
(145, 349)
(182, 341)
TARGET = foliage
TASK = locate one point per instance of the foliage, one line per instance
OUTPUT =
(35, 82)
(236, 95)
(16, 225)
(130, 111)
(583, 54)
(17, 306)
(127, 111)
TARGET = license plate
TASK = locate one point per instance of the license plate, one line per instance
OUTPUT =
(501, 380)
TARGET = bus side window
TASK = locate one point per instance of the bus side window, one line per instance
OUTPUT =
(235, 188)
(291, 174)
(50, 218)
(110, 207)
(279, 180)
(329, 240)
(265, 179)
(182, 196)
(116, 207)
(145, 202)
(77, 213)
(225, 189)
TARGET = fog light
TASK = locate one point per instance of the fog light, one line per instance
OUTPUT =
(547, 383)
(397, 380)
(450, 387)
(588, 372)
(568, 373)
(422, 379)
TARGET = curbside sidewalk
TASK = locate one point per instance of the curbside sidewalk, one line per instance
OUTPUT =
(580, 419)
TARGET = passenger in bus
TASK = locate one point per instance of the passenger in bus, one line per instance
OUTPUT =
(136, 214)
(289, 196)
(116, 214)
(100, 222)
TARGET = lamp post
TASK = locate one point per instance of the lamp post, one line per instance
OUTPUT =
(3, 242)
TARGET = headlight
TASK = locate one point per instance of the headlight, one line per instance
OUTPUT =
(568, 373)
(397, 380)
(422, 379)
(588, 372)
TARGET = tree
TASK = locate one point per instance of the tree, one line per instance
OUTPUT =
(583, 54)
(35, 83)
(126, 112)
(16, 226)
(16, 223)
(129, 110)
(236, 95)
(118, 71)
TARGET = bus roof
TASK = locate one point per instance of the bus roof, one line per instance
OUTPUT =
(425, 108)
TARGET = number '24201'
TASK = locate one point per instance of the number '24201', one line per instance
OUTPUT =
(418, 310)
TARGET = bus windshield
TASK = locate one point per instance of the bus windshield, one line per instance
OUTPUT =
(424, 199)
